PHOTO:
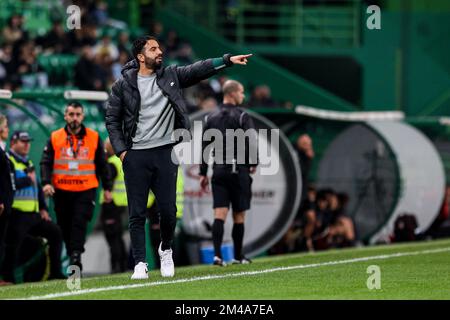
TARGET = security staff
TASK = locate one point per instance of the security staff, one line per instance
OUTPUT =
(145, 107)
(71, 163)
(112, 211)
(231, 181)
(29, 211)
(7, 188)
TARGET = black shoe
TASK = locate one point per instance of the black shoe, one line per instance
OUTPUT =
(243, 260)
(219, 262)
(75, 259)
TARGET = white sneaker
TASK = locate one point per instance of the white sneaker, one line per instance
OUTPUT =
(140, 271)
(219, 262)
(167, 266)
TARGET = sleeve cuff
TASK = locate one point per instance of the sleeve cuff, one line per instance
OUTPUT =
(226, 59)
(220, 63)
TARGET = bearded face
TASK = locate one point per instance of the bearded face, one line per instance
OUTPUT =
(151, 55)
(74, 117)
(153, 63)
(74, 125)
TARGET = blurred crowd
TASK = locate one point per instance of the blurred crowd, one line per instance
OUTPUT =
(322, 221)
(99, 58)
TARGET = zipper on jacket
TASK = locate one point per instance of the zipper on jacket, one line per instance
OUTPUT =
(176, 107)
(135, 122)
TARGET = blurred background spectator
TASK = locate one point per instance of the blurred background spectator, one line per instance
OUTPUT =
(99, 57)
(261, 97)
(14, 31)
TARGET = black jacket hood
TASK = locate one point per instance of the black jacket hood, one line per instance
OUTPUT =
(129, 72)
(132, 64)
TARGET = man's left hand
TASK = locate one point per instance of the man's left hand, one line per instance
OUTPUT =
(240, 59)
(45, 216)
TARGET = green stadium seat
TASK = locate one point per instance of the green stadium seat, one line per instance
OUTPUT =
(60, 65)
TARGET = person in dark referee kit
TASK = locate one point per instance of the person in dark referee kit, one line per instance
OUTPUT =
(146, 105)
(231, 180)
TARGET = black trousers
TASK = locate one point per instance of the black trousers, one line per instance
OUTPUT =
(73, 211)
(111, 218)
(4, 221)
(144, 170)
(22, 224)
(154, 231)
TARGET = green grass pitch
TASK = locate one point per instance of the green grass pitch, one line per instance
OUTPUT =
(418, 270)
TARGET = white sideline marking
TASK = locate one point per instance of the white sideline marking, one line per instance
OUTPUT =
(229, 275)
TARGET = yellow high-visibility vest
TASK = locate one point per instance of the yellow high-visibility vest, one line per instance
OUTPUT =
(119, 192)
(180, 193)
(25, 199)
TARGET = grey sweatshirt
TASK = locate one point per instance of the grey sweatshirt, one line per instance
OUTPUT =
(156, 116)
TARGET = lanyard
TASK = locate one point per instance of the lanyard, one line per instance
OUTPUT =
(79, 143)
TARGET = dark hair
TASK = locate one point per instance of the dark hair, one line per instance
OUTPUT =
(74, 104)
(321, 195)
(10, 20)
(343, 198)
(328, 191)
(139, 44)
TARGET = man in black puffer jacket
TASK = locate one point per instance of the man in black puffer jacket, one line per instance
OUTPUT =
(146, 105)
